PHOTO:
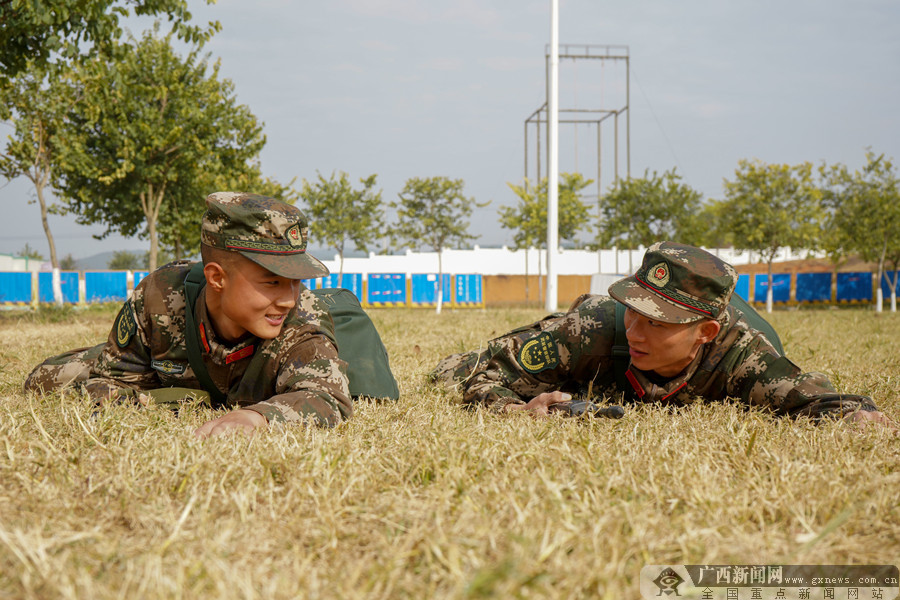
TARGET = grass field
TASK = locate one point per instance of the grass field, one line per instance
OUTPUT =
(419, 498)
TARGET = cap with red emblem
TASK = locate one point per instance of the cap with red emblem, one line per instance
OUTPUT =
(269, 232)
(677, 283)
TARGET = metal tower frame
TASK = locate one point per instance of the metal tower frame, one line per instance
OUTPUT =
(586, 115)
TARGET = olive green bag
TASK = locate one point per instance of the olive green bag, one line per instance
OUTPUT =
(360, 346)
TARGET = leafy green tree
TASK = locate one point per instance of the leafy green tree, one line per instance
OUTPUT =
(67, 263)
(639, 211)
(864, 216)
(528, 218)
(36, 104)
(31, 253)
(178, 226)
(38, 31)
(769, 207)
(123, 260)
(340, 214)
(145, 131)
(432, 212)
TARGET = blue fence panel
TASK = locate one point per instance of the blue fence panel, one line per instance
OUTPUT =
(138, 276)
(387, 288)
(781, 287)
(468, 289)
(309, 283)
(854, 287)
(424, 288)
(68, 280)
(813, 287)
(742, 288)
(106, 286)
(15, 287)
(349, 281)
(886, 278)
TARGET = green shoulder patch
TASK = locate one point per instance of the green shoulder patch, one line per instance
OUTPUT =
(126, 326)
(539, 354)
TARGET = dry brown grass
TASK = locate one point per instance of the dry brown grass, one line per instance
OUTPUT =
(420, 498)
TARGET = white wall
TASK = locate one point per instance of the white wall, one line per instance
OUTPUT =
(10, 262)
(502, 261)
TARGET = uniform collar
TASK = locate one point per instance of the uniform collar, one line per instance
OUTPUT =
(648, 391)
(212, 346)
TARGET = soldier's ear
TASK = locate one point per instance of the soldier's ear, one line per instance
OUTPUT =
(215, 276)
(709, 329)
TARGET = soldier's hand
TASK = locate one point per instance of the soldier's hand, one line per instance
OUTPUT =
(868, 417)
(243, 420)
(539, 406)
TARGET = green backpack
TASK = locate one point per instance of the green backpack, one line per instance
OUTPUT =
(358, 342)
(360, 346)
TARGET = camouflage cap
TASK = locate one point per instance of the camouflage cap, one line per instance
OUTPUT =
(267, 231)
(677, 284)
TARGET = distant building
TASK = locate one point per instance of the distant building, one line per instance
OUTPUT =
(11, 262)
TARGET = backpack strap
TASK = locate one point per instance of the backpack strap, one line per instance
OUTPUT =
(620, 354)
(193, 283)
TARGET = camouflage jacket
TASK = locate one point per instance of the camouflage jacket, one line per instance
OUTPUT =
(573, 352)
(288, 378)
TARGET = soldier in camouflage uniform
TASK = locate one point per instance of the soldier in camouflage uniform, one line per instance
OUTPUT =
(686, 344)
(267, 342)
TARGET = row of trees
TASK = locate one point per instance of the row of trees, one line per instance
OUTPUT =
(432, 213)
(765, 208)
(131, 134)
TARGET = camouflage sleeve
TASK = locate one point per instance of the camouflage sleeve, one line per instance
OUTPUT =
(558, 352)
(124, 363)
(311, 383)
(765, 378)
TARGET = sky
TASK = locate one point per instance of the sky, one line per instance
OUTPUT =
(404, 88)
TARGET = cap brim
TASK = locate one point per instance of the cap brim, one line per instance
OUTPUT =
(292, 266)
(650, 304)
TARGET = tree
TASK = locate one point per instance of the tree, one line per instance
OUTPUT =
(177, 228)
(864, 216)
(67, 263)
(639, 211)
(339, 214)
(147, 124)
(123, 260)
(432, 212)
(36, 104)
(36, 31)
(529, 217)
(770, 207)
(31, 253)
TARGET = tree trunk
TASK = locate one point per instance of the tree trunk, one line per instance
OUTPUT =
(340, 282)
(540, 278)
(39, 190)
(769, 301)
(440, 283)
(151, 202)
(527, 294)
(893, 284)
(179, 249)
(879, 295)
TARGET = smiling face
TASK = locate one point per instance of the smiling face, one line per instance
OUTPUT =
(244, 297)
(665, 348)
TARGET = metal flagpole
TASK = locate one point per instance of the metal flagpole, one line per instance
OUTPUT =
(552, 299)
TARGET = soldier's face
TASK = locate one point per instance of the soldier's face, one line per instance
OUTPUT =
(254, 300)
(665, 348)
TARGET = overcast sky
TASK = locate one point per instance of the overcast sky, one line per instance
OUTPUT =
(405, 88)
